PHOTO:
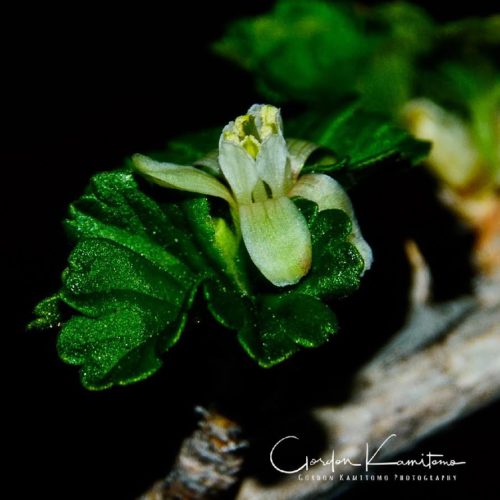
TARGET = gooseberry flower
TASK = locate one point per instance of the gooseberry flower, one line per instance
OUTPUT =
(257, 172)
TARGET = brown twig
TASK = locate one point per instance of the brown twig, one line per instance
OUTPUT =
(208, 462)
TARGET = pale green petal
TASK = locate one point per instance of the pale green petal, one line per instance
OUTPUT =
(238, 168)
(324, 191)
(277, 239)
(300, 151)
(271, 163)
(327, 193)
(181, 177)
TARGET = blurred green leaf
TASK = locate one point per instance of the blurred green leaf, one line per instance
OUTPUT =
(323, 53)
(406, 34)
(305, 50)
(483, 32)
(404, 26)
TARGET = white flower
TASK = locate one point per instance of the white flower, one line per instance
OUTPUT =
(263, 173)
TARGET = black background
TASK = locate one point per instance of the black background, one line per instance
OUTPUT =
(85, 88)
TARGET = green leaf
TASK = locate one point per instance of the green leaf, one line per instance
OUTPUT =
(307, 50)
(284, 323)
(337, 265)
(226, 305)
(408, 27)
(406, 34)
(131, 278)
(388, 82)
(48, 314)
(359, 139)
(324, 52)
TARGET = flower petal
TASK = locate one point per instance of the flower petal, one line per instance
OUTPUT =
(238, 168)
(277, 239)
(327, 193)
(181, 177)
(271, 163)
(300, 151)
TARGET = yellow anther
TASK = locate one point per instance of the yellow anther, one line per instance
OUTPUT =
(231, 136)
(240, 125)
(269, 121)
